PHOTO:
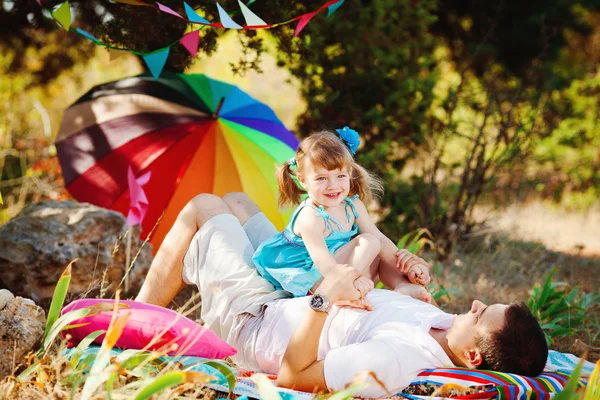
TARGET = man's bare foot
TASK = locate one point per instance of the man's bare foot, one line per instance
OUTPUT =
(419, 274)
(415, 291)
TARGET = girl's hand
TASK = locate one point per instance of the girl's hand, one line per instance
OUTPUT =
(415, 268)
(364, 285)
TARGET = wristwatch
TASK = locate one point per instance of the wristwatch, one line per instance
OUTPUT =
(319, 302)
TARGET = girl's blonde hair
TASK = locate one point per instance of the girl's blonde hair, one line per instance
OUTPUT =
(327, 150)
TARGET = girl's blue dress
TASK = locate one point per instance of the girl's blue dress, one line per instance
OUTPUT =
(284, 260)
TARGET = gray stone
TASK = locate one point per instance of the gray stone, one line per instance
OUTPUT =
(21, 328)
(5, 297)
(38, 244)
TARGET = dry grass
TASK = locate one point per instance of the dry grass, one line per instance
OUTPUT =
(502, 260)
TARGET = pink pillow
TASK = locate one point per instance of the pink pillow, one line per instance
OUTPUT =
(146, 323)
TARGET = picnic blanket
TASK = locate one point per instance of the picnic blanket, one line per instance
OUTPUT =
(483, 384)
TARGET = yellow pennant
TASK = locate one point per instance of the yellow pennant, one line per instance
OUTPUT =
(114, 54)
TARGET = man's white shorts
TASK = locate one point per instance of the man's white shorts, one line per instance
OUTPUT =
(219, 263)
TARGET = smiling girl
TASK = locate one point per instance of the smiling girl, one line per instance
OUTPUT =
(331, 228)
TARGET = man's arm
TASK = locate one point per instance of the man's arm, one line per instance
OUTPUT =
(300, 368)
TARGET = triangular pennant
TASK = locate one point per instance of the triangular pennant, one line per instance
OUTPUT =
(226, 20)
(190, 42)
(114, 54)
(139, 202)
(251, 18)
(87, 35)
(192, 16)
(305, 19)
(332, 8)
(156, 62)
(168, 10)
(63, 15)
(39, 2)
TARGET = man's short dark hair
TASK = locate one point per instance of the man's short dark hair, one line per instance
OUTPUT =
(519, 347)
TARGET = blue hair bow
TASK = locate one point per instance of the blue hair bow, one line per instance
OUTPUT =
(350, 137)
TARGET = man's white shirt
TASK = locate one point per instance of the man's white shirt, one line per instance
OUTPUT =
(392, 340)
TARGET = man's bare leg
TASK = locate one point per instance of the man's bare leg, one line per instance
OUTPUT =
(164, 279)
(241, 206)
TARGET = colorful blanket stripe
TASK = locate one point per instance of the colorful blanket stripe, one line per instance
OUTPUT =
(507, 386)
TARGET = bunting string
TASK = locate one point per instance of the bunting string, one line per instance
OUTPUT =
(156, 59)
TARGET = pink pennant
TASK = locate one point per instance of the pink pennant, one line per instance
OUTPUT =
(39, 2)
(190, 42)
(139, 201)
(168, 10)
(305, 19)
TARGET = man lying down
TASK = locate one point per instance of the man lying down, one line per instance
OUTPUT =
(310, 344)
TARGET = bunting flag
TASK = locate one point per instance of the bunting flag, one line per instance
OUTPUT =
(139, 202)
(303, 22)
(190, 42)
(87, 35)
(226, 20)
(251, 18)
(114, 54)
(192, 16)
(156, 62)
(332, 8)
(156, 59)
(168, 10)
(63, 15)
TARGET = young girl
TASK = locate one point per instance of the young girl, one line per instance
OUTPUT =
(331, 228)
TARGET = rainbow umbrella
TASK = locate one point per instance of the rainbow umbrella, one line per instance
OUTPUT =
(195, 134)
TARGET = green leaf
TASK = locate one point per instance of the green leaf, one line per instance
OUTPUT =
(592, 391)
(110, 382)
(227, 372)
(58, 298)
(83, 345)
(569, 392)
(24, 376)
(59, 325)
(170, 379)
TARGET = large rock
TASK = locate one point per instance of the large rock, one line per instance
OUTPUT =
(22, 326)
(37, 245)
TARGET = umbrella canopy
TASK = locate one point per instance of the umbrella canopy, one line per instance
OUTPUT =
(195, 135)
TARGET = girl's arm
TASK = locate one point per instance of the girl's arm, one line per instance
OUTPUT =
(389, 273)
(310, 227)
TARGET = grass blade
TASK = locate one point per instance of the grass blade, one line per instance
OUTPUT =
(225, 370)
(58, 298)
(266, 388)
(59, 325)
(569, 392)
(97, 375)
(83, 345)
(592, 391)
(170, 379)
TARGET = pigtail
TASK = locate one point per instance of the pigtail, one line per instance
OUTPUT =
(366, 185)
(289, 192)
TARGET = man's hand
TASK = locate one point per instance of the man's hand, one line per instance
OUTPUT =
(415, 268)
(342, 287)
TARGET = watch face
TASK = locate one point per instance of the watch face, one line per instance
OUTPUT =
(316, 301)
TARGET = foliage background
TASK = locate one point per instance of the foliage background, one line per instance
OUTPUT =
(467, 110)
